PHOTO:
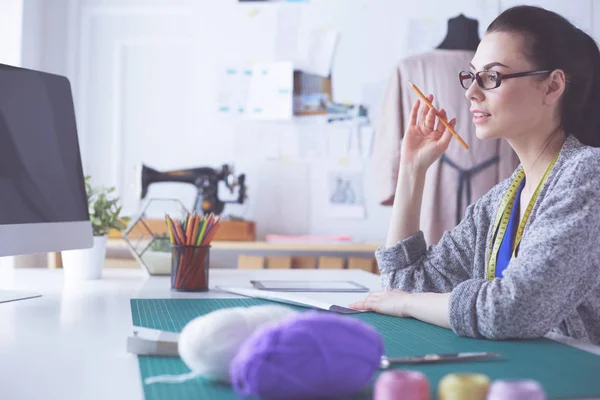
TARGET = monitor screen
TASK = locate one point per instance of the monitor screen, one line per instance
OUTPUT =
(40, 167)
(41, 176)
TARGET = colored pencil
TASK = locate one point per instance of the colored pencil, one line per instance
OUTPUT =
(169, 228)
(192, 234)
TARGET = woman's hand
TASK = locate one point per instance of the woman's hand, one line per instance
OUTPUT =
(390, 302)
(425, 139)
(427, 307)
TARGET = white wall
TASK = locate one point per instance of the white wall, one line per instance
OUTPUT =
(143, 75)
(579, 12)
(11, 20)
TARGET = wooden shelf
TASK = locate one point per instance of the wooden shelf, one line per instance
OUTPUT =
(266, 246)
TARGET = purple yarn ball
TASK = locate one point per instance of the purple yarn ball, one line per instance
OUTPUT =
(309, 355)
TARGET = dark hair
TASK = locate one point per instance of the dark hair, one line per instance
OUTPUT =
(552, 42)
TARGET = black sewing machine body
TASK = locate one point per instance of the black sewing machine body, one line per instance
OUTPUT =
(205, 179)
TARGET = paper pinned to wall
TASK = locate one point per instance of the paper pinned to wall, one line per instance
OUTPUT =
(367, 135)
(312, 141)
(257, 139)
(343, 192)
(226, 84)
(268, 140)
(289, 144)
(233, 82)
(284, 208)
(316, 52)
(262, 91)
(312, 51)
(288, 26)
(338, 140)
(361, 140)
(271, 90)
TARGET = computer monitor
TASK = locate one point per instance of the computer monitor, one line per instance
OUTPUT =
(43, 203)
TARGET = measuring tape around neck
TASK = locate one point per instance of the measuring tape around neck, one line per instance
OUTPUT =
(503, 216)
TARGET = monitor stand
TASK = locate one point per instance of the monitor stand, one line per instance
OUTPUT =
(14, 295)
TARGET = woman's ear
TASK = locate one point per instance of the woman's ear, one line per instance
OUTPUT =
(555, 86)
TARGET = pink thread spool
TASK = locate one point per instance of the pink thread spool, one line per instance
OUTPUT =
(401, 384)
(517, 389)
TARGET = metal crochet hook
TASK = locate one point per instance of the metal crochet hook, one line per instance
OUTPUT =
(387, 362)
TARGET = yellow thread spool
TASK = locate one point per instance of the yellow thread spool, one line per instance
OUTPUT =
(463, 387)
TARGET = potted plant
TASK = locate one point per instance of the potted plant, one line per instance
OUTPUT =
(104, 210)
(157, 258)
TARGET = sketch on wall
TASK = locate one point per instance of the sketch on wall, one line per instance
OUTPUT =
(345, 194)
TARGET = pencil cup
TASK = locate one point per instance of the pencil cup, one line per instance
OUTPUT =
(189, 268)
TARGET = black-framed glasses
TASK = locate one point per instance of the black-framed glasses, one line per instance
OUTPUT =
(491, 79)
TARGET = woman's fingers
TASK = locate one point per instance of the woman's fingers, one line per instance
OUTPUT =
(425, 109)
(359, 305)
(429, 123)
(413, 113)
(444, 141)
(440, 125)
(369, 303)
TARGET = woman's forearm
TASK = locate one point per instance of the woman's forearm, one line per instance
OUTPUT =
(406, 212)
(429, 307)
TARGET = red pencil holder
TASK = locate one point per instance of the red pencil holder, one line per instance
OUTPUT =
(189, 268)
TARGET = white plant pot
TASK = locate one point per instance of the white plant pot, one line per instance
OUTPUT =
(85, 264)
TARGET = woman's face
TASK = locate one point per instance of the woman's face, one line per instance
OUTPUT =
(516, 106)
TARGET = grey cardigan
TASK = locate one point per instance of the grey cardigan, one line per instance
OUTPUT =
(552, 285)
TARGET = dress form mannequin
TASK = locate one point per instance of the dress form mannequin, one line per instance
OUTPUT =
(463, 34)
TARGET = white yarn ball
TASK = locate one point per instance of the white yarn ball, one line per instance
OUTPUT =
(207, 344)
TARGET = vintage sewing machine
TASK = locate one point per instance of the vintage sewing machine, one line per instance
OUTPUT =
(205, 179)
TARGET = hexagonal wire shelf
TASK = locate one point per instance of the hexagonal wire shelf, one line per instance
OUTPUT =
(148, 238)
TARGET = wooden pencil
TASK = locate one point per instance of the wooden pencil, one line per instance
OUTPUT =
(191, 232)
(169, 228)
(211, 234)
(446, 124)
(188, 231)
(179, 230)
(195, 222)
(203, 231)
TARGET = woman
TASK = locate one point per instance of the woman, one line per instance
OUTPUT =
(535, 81)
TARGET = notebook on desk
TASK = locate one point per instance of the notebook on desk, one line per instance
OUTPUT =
(294, 299)
(309, 286)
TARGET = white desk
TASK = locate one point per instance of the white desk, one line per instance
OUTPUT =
(69, 344)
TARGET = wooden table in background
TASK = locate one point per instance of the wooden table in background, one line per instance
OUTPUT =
(260, 254)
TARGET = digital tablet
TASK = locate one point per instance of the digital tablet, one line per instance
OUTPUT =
(309, 286)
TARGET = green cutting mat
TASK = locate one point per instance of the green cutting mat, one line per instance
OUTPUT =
(562, 370)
